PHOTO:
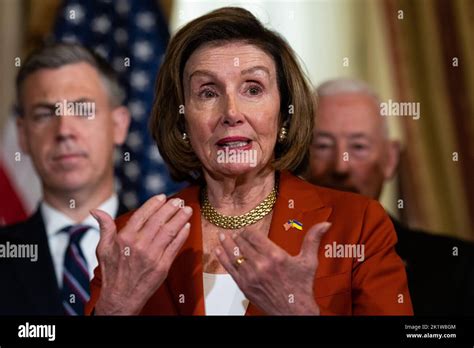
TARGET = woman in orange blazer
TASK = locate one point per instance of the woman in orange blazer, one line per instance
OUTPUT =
(233, 115)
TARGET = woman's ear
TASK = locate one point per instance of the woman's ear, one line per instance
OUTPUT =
(121, 119)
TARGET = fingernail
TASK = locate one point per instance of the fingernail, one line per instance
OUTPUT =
(188, 210)
(222, 237)
(187, 226)
(326, 226)
(95, 216)
(161, 197)
(234, 236)
(218, 251)
(176, 202)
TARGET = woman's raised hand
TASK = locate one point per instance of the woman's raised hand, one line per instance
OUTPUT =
(135, 261)
(273, 280)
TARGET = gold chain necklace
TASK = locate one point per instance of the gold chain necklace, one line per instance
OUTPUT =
(239, 221)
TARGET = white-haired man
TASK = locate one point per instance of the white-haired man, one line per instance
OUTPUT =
(352, 151)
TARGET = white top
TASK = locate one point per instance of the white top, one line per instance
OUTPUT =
(222, 296)
(55, 221)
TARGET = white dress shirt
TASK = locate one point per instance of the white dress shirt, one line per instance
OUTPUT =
(55, 221)
(222, 296)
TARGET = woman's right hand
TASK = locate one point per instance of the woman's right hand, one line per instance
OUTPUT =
(135, 262)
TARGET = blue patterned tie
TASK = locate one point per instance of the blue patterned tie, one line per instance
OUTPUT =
(75, 292)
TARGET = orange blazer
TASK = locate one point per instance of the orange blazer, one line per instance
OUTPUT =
(342, 286)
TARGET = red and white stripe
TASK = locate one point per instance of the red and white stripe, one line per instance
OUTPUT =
(20, 188)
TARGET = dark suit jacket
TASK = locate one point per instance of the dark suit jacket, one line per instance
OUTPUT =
(26, 287)
(342, 286)
(439, 282)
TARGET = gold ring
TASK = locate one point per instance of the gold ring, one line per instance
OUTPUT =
(240, 260)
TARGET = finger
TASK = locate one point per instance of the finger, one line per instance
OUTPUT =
(262, 244)
(312, 239)
(228, 264)
(172, 249)
(247, 249)
(142, 214)
(107, 228)
(159, 221)
(229, 247)
(248, 269)
(165, 234)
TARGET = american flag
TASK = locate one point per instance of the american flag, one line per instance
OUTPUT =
(125, 31)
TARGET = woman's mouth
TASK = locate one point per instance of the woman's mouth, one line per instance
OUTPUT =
(235, 143)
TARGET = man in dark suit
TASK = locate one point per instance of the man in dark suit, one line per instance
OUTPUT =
(351, 151)
(70, 119)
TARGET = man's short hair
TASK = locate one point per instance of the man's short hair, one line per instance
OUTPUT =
(56, 55)
(345, 85)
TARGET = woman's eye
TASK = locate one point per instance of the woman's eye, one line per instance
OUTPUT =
(207, 93)
(254, 90)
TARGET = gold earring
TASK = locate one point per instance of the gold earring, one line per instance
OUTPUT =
(282, 135)
(185, 138)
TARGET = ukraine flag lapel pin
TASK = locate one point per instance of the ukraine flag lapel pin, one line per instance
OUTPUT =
(293, 223)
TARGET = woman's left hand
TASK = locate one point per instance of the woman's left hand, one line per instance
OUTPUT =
(278, 283)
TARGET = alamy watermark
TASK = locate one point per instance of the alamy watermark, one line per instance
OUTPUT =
(21, 251)
(335, 250)
(75, 108)
(394, 108)
(28, 330)
(237, 156)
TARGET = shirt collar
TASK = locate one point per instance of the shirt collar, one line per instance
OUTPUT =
(55, 221)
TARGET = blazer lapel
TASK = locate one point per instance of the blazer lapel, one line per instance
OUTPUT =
(185, 276)
(297, 201)
(39, 278)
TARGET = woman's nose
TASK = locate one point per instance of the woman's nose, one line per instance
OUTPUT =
(231, 114)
